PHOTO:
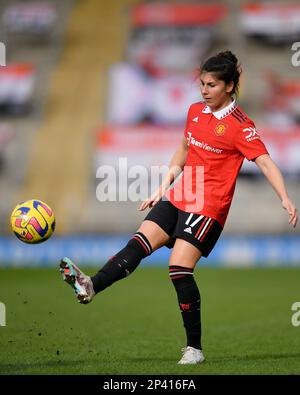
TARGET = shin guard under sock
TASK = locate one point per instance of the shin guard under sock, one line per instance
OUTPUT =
(123, 263)
(188, 296)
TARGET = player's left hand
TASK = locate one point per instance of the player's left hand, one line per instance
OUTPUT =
(292, 211)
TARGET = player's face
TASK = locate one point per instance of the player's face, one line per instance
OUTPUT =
(214, 91)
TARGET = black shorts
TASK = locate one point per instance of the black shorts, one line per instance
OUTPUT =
(199, 230)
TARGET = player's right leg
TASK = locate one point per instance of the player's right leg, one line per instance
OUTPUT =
(148, 238)
(80, 282)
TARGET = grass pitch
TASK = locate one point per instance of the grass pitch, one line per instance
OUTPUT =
(134, 327)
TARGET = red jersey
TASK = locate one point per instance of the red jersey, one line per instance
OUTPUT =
(218, 143)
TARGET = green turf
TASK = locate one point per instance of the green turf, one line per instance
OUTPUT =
(135, 327)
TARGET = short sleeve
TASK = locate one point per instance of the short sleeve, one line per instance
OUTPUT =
(187, 122)
(248, 141)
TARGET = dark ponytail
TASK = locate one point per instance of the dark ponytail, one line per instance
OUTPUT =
(226, 68)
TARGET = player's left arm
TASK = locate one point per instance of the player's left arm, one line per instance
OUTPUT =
(275, 178)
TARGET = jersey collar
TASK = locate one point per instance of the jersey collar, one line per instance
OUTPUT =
(221, 113)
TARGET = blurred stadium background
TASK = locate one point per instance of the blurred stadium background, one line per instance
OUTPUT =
(89, 81)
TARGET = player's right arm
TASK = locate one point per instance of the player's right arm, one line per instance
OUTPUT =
(175, 168)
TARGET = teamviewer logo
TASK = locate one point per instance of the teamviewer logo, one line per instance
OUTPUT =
(2, 314)
(2, 54)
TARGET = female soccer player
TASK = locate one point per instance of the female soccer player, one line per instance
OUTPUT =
(189, 216)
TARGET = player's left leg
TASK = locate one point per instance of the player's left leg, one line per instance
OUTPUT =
(182, 262)
(196, 236)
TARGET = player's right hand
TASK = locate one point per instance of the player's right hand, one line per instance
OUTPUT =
(150, 202)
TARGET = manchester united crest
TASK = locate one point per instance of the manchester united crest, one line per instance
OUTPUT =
(220, 129)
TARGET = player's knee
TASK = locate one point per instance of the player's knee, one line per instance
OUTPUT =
(156, 236)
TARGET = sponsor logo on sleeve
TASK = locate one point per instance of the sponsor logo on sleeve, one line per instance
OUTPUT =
(252, 134)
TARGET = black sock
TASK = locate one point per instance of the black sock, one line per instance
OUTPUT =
(123, 263)
(188, 296)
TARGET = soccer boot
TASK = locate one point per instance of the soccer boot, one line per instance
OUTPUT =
(191, 356)
(81, 283)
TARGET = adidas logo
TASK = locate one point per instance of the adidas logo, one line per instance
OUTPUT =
(188, 230)
(196, 119)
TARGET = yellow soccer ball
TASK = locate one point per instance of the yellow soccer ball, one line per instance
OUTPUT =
(32, 221)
